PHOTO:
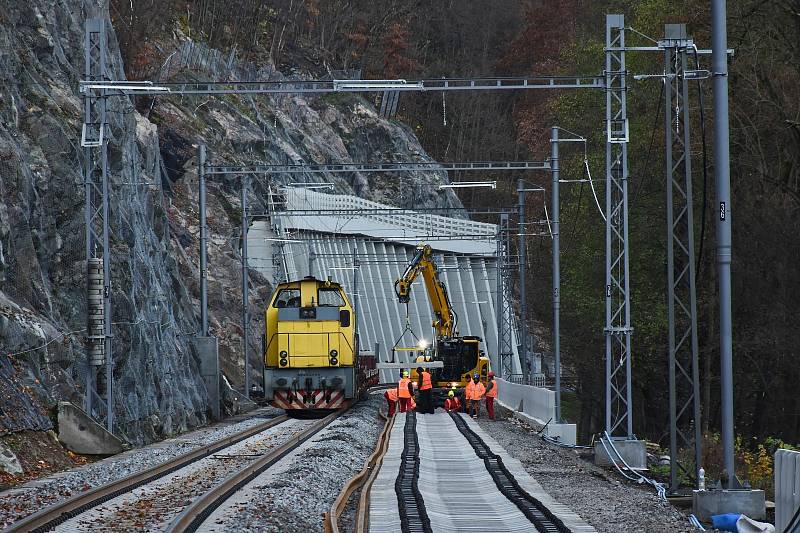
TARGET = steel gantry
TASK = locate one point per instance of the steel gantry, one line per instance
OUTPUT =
(505, 315)
(219, 88)
(619, 415)
(684, 379)
(94, 141)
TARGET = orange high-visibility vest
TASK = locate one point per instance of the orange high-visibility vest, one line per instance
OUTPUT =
(402, 391)
(475, 390)
(492, 393)
(426, 381)
(392, 394)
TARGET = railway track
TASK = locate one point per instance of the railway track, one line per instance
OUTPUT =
(193, 516)
(54, 515)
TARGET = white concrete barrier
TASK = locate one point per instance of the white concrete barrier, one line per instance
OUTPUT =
(787, 487)
(537, 405)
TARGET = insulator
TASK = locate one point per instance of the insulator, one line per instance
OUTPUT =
(95, 313)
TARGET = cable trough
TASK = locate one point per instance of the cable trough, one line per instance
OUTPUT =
(541, 517)
(413, 515)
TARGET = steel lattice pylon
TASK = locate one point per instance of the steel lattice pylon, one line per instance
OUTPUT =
(505, 324)
(94, 140)
(684, 381)
(619, 421)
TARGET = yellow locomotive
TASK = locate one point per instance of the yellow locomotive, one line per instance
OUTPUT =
(311, 357)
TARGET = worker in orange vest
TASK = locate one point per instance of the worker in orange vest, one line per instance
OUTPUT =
(391, 399)
(452, 403)
(491, 394)
(404, 392)
(475, 391)
(425, 388)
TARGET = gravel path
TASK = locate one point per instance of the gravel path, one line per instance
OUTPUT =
(293, 494)
(606, 501)
(26, 499)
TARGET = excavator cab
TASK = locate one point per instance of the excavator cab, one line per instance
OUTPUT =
(462, 358)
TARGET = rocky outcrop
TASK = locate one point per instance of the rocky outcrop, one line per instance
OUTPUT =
(154, 212)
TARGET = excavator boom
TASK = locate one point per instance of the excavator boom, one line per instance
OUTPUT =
(423, 263)
(461, 357)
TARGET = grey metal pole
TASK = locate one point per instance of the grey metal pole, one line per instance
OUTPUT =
(669, 84)
(554, 174)
(722, 176)
(357, 301)
(523, 306)
(201, 178)
(619, 409)
(245, 288)
(109, 356)
(695, 347)
(88, 210)
(499, 307)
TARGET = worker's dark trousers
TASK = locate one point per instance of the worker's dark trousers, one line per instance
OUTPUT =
(425, 402)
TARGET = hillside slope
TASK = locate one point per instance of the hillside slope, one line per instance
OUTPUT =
(153, 214)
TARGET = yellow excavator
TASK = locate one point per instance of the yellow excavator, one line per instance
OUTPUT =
(461, 356)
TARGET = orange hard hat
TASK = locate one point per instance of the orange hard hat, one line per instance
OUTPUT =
(491, 374)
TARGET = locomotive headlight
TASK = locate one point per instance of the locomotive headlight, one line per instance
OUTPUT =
(284, 362)
(334, 361)
(284, 354)
(334, 353)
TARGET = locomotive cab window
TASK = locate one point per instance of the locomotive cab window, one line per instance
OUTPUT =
(287, 298)
(330, 298)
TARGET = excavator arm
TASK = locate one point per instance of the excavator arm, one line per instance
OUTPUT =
(423, 263)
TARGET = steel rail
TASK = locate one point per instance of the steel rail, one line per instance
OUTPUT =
(539, 515)
(362, 513)
(371, 466)
(193, 516)
(56, 514)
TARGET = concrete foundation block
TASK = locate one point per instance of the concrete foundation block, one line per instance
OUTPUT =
(81, 434)
(207, 349)
(634, 452)
(565, 433)
(707, 503)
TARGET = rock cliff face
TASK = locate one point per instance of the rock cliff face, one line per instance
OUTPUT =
(153, 214)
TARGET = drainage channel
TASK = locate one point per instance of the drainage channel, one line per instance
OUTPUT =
(413, 516)
(540, 516)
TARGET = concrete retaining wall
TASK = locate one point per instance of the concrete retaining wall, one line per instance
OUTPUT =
(537, 405)
(81, 434)
(787, 487)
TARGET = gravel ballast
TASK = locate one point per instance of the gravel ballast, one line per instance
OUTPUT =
(31, 497)
(294, 493)
(602, 498)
